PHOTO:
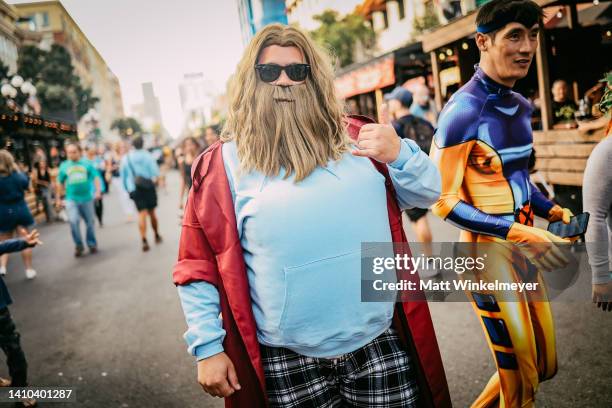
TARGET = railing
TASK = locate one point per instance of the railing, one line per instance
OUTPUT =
(562, 154)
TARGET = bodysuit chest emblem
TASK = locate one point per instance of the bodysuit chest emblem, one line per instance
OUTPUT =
(511, 111)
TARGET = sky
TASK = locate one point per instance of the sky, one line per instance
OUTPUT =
(159, 42)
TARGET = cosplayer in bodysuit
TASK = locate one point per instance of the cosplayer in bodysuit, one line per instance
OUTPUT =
(482, 147)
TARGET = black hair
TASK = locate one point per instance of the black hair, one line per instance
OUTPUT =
(215, 128)
(195, 141)
(525, 12)
(407, 102)
(137, 142)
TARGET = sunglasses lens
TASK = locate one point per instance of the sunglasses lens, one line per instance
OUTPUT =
(269, 73)
(297, 72)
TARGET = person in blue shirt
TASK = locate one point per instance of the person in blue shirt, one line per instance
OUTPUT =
(423, 106)
(139, 174)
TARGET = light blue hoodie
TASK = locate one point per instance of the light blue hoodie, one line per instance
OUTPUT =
(301, 245)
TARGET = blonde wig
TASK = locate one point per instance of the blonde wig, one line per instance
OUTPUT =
(295, 128)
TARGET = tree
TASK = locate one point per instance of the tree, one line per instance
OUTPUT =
(342, 35)
(84, 99)
(605, 105)
(60, 91)
(127, 127)
(4, 70)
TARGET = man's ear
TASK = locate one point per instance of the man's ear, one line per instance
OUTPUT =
(482, 41)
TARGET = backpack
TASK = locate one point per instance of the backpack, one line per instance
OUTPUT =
(415, 128)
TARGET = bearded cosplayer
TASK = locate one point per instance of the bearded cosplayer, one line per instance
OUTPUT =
(269, 263)
(482, 147)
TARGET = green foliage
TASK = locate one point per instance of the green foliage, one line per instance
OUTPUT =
(4, 69)
(59, 89)
(341, 35)
(127, 127)
(84, 99)
(31, 60)
(21, 98)
(428, 21)
(605, 105)
(55, 97)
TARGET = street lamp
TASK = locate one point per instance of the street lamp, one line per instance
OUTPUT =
(9, 91)
(28, 89)
(17, 81)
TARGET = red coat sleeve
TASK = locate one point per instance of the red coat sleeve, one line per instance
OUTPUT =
(196, 260)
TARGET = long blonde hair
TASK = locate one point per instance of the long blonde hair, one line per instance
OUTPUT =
(7, 163)
(296, 128)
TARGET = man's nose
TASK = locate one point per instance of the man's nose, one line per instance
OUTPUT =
(528, 46)
(283, 79)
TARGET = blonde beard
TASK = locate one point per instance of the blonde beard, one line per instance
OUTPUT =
(290, 131)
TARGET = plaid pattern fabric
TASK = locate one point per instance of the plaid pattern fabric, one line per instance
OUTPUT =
(379, 374)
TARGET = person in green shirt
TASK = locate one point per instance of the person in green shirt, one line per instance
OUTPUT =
(78, 179)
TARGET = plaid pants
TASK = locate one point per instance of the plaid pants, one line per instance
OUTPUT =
(379, 374)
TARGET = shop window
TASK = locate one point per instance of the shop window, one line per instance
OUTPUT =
(32, 26)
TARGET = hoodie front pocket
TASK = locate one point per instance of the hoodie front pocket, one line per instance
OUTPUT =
(323, 301)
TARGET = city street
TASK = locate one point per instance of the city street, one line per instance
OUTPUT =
(111, 325)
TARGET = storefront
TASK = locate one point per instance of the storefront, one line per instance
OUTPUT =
(363, 85)
(24, 134)
(27, 136)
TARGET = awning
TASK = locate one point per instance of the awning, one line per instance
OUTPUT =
(369, 6)
(588, 15)
(458, 29)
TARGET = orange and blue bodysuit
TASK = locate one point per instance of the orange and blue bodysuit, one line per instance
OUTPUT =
(482, 147)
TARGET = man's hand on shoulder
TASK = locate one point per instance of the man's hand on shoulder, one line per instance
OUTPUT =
(217, 375)
(379, 142)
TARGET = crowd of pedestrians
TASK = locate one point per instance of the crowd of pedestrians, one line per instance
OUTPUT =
(69, 185)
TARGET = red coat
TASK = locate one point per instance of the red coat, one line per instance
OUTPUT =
(210, 251)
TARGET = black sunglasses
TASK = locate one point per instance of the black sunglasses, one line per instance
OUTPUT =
(271, 72)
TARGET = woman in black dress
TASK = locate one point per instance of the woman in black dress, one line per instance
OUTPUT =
(191, 150)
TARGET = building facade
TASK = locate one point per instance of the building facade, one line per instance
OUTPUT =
(395, 58)
(56, 26)
(302, 12)
(151, 109)
(255, 14)
(391, 20)
(197, 98)
(9, 36)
